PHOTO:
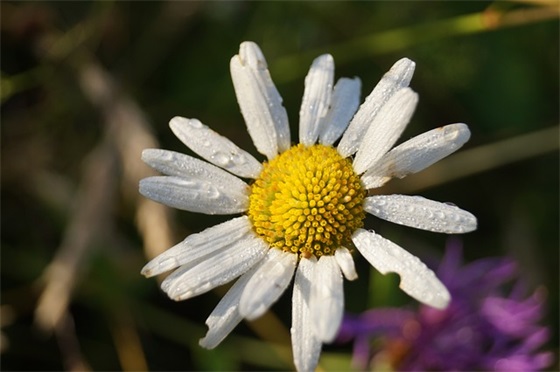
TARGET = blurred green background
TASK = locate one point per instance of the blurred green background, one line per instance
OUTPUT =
(87, 85)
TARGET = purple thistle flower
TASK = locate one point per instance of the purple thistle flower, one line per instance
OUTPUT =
(483, 328)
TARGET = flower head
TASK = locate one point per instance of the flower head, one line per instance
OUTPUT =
(483, 328)
(303, 208)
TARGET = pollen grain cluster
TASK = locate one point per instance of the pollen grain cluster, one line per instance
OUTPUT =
(308, 200)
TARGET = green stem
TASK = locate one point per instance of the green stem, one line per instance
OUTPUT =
(292, 66)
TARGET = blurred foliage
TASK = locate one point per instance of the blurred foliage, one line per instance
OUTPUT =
(493, 65)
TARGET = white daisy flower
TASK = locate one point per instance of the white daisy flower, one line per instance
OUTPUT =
(302, 210)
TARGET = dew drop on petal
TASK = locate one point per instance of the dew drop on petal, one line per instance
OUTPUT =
(221, 159)
(195, 124)
(186, 183)
(211, 191)
(166, 156)
(238, 159)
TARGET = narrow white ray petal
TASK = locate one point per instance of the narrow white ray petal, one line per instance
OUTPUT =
(346, 263)
(172, 163)
(416, 279)
(215, 148)
(171, 279)
(327, 299)
(225, 318)
(417, 154)
(219, 268)
(421, 213)
(226, 315)
(196, 185)
(268, 284)
(316, 98)
(194, 195)
(305, 344)
(260, 102)
(396, 78)
(216, 247)
(344, 103)
(199, 245)
(386, 128)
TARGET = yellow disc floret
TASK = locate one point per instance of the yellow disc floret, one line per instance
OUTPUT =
(307, 200)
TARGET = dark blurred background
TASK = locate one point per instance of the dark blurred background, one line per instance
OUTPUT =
(85, 86)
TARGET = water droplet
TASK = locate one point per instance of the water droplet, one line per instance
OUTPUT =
(211, 192)
(175, 291)
(195, 123)
(186, 183)
(167, 156)
(239, 159)
(222, 159)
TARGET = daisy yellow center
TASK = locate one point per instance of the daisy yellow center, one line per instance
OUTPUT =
(307, 200)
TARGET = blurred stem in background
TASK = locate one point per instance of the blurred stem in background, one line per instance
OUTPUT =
(480, 159)
(495, 17)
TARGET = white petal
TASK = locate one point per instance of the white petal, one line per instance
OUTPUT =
(396, 78)
(172, 163)
(306, 346)
(226, 315)
(260, 102)
(421, 213)
(416, 279)
(316, 98)
(417, 154)
(346, 263)
(193, 195)
(215, 148)
(199, 245)
(344, 103)
(385, 129)
(217, 269)
(196, 185)
(327, 299)
(268, 284)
